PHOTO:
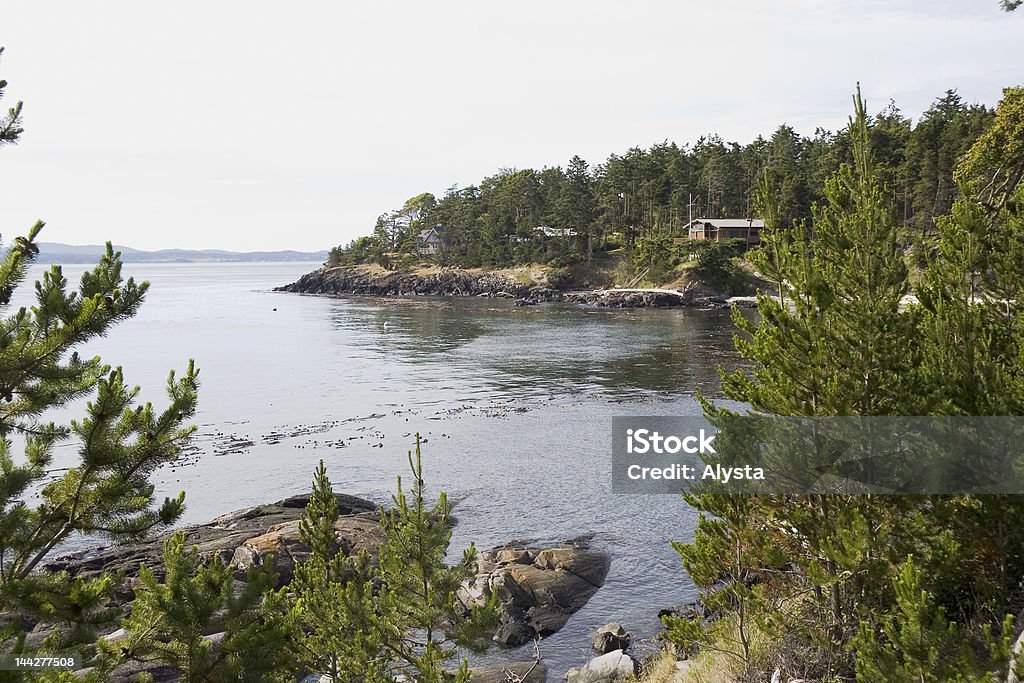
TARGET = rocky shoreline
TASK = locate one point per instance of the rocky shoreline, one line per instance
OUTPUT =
(537, 588)
(454, 282)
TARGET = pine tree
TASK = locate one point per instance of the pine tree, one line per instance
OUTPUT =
(171, 620)
(834, 342)
(971, 295)
(107, 492)
(419, 589)
(919, 644)
(356, 619)
(835, 589)
(10, 124)
(993, 168)
(340, 626)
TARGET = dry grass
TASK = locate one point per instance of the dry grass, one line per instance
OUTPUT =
(611, 269)
(367, 268)
(665, 668)
(715, 666)
(531, 274)
(711, 668)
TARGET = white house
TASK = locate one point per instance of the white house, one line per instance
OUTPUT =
(429, 242)
(548, 231)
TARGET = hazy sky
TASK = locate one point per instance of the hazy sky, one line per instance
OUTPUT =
(258, 125)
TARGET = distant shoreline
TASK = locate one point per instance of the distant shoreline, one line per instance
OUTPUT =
(53, 252)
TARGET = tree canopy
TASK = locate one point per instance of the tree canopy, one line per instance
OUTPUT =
(571, 213)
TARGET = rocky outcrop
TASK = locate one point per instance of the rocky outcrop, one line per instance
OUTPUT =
(650, 298)
(448, 282)
(630, 298)
(454, 282)
(354, 533)
(243, 535)
(538, 589)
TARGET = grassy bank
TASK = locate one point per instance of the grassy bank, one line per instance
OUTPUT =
(726, 276)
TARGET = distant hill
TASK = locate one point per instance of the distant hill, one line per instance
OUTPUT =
(54, 252)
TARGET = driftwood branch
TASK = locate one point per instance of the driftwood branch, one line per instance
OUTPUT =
(513, 677)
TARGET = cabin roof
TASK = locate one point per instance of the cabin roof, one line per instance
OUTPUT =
(728, 222)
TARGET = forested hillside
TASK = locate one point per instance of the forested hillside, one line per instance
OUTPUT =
(648, 193)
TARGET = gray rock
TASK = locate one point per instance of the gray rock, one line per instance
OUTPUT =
(39, 633)
(446, 282)
(538, 588)
(216, 639)
(115, 636)
(526, 672)
(631, 298)
(129, 672)
(221, 538)
(19, 621)
(513, 631)
(611, 637)
(281, 542)
(604, 669)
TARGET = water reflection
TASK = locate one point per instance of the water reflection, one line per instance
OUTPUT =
(530, 351)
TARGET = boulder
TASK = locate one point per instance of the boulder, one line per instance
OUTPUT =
(604, 669)
(611, 637)
(19, 621)
(116, 636)
(129, 672)
(525, 672)
(538, 588)
(355, 533)
(513, 629)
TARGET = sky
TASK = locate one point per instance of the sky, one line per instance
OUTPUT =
(267, 125)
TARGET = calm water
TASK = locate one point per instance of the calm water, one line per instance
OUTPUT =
(514, 404)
